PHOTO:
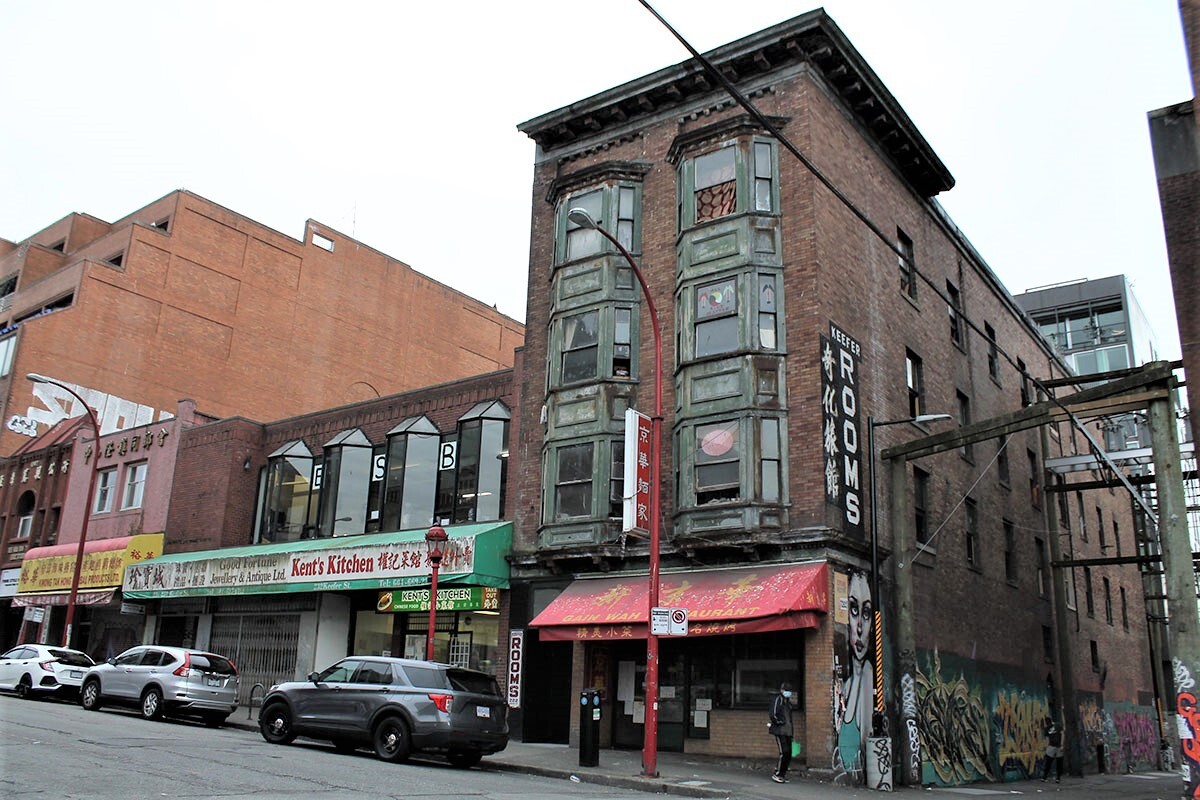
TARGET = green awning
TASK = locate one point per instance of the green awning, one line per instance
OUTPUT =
(475, 555)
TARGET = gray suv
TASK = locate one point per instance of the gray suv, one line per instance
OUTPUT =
(171, 681)
(396, 705)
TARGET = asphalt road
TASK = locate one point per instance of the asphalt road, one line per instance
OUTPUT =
(56, 749)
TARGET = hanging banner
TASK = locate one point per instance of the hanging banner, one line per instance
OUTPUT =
(840, 427)
(638, 454)
(516, 662)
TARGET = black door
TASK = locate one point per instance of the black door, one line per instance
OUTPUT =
(546, 692)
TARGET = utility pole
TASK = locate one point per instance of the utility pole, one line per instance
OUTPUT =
(904, 548)
(1183, 617)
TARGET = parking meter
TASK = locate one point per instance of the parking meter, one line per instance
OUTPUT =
(589, 728)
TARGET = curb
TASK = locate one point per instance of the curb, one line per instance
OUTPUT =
(620, 782)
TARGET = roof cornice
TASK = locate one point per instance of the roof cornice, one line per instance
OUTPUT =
(810, 40)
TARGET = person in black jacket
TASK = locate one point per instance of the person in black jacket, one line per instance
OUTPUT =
(780, 727)
(1054, 750)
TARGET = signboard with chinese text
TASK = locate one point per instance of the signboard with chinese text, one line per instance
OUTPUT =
(840, 428)
(475, 555)
(104, 562)
(450, 598)
(638, 453)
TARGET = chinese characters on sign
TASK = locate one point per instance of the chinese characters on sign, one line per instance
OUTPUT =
(454, 598)
(313, 570)
(638, 452)
(840, 356)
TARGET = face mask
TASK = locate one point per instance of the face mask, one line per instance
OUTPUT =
(787, 695)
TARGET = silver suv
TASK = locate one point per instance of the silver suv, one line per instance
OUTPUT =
(171, 681)
(395, 705)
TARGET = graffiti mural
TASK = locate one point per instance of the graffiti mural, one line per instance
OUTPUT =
(955, 734)
(1189, 728)
(1020, 743)
(1138, 740)
(974, 721)
(912, 734)
(856, 694)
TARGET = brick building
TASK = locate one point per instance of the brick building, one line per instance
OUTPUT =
(184, 298)
(43, 502)
(293, 543)
(791, 332)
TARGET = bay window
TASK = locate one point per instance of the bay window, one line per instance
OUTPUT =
(716, 318)
(736, 459)
(482, 468)
(410, 482)
(573, 481)
(288, 494)
(347, 479)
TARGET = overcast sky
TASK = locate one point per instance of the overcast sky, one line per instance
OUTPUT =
(396, 122)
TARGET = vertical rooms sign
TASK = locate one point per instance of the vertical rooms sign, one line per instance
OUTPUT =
(840, 440)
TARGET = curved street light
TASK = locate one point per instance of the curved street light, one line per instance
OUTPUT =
(650, 743)
(87, 510)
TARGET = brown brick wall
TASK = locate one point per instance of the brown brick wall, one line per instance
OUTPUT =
(245, 320)
(837, 270)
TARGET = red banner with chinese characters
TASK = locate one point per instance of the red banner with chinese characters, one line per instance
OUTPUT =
(744, 600)
(639, 452)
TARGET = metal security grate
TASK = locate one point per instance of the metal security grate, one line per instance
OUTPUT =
(263, 646)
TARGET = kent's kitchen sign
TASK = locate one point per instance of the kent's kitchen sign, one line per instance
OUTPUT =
(841, 443)
(450, 598)
(327, 569)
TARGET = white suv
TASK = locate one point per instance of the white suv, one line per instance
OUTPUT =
(165, 680)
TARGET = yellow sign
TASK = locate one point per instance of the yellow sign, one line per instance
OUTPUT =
(103, 567)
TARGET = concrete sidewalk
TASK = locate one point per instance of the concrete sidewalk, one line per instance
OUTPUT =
(748, 779)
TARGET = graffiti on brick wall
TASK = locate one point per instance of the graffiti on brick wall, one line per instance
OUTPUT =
(112, 412)
(954, 727)
(1138, 736)
(1020, 743)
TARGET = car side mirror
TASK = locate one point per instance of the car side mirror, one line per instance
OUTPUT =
(113, 661)
(312, 676)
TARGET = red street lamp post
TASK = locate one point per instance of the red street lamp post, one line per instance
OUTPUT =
(650, 744)
(87, 510)
(435, 541)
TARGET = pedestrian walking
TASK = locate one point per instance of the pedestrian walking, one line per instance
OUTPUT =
(780, 726)
(1054, 751)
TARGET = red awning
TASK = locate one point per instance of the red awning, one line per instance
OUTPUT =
(744, 600)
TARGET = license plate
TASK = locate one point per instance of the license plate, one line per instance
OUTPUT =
(213, 682)
(75, 673)
(483, 711)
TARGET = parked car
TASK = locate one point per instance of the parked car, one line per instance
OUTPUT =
(171, 681)
(395, 705)
(33, 670)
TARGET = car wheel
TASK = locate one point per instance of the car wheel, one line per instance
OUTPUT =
(152, 703)
(25, 688)
(89, 696)
(275, 724)
(464, 759)
(214, 720)
(391, 740)
(345, 745)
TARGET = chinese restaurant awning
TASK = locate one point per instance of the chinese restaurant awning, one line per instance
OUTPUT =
(476, 555)
(47, 572)
(742, 600)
